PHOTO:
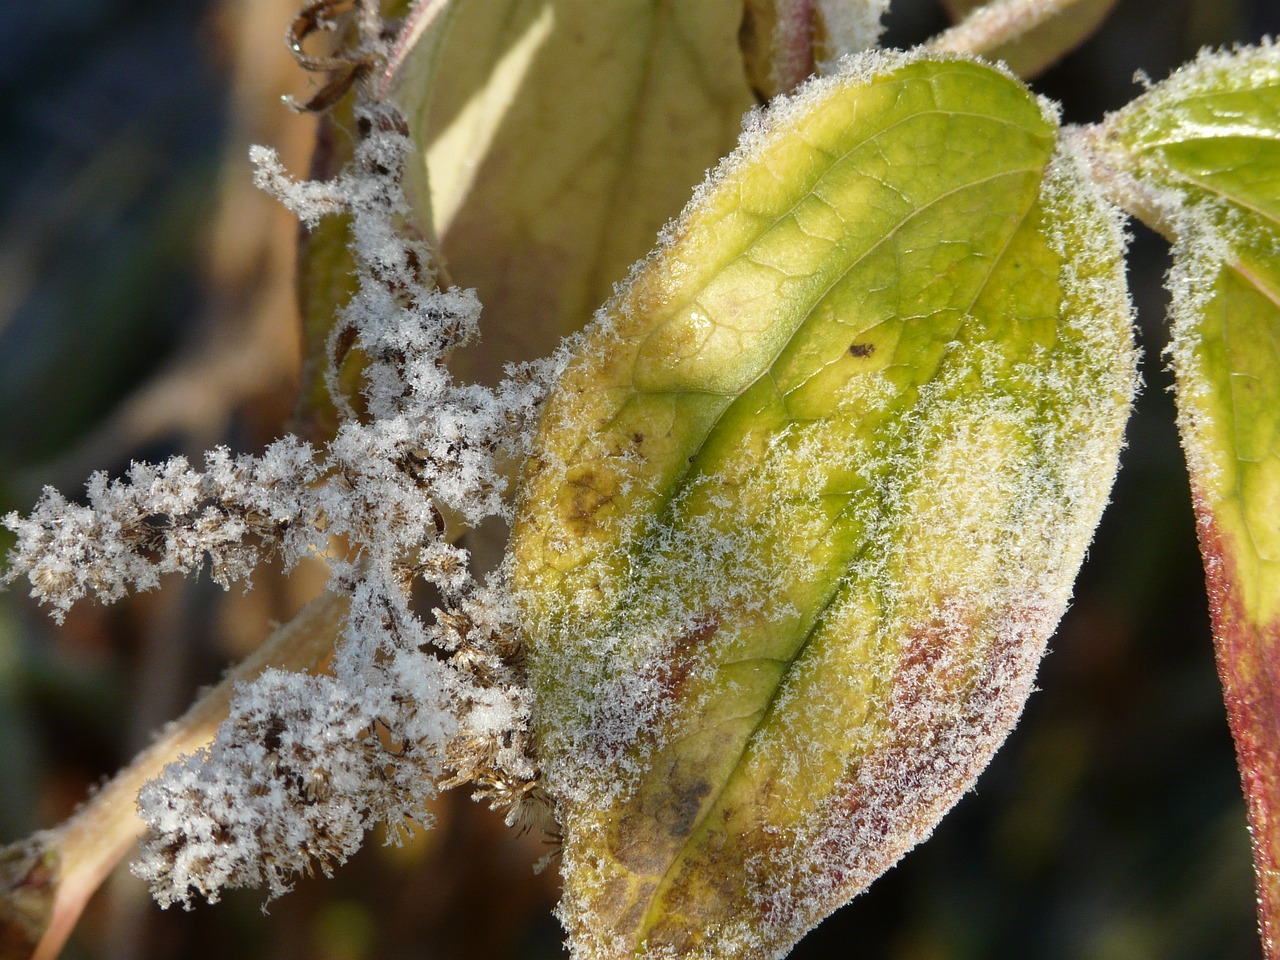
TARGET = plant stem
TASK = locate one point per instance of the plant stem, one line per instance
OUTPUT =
(1107, 168)
(995, 24)
(46, 880)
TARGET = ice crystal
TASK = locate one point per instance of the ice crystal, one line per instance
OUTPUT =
(304, 765)
(217, 822)
(850, 28)
(166, 519)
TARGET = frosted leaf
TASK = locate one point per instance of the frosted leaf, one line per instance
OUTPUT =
(1198, 156)
(1198, 153)
(805, 508)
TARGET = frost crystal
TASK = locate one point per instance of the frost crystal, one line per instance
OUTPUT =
(217, 822)
(850, 28)
(165, 519)
(305, 765)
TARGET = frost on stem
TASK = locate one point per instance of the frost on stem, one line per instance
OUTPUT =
(305, 765)
(166, 519)
(221, 824)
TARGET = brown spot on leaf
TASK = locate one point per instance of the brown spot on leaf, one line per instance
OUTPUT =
(683, 809)
(861, 349)
(589, 491)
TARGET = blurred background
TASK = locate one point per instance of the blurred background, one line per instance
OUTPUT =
(146, 309)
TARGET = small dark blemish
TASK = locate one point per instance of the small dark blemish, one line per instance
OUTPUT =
(683, 811)
(273, 738)
(862, 349)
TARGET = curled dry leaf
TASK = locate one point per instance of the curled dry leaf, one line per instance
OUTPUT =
(1198, 157)
(807, 505)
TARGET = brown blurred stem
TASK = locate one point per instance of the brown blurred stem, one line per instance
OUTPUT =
(46, 879)
(995, 24)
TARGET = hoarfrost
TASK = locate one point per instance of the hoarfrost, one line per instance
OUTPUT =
(271, 797)
(1138, 153)
(1013, 592)
(167, 518)
(1200, 256)
(304, 766)
(851, 26)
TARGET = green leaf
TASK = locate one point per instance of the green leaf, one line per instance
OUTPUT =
(1198, 157)
(558, 137)
(809, 500)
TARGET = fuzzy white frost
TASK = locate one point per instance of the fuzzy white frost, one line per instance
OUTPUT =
(304, 766)
(217, 822)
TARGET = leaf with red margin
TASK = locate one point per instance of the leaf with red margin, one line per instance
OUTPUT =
(1227, 360)
(1198, 157)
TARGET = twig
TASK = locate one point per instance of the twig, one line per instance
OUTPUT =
(995, 24)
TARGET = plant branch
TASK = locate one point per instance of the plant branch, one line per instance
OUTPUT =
(995, 24)
(46, 879)
(1118, 184)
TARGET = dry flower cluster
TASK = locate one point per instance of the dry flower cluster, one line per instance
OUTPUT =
(305, 766)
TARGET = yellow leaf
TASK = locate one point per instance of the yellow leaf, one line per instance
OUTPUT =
(558, 137)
